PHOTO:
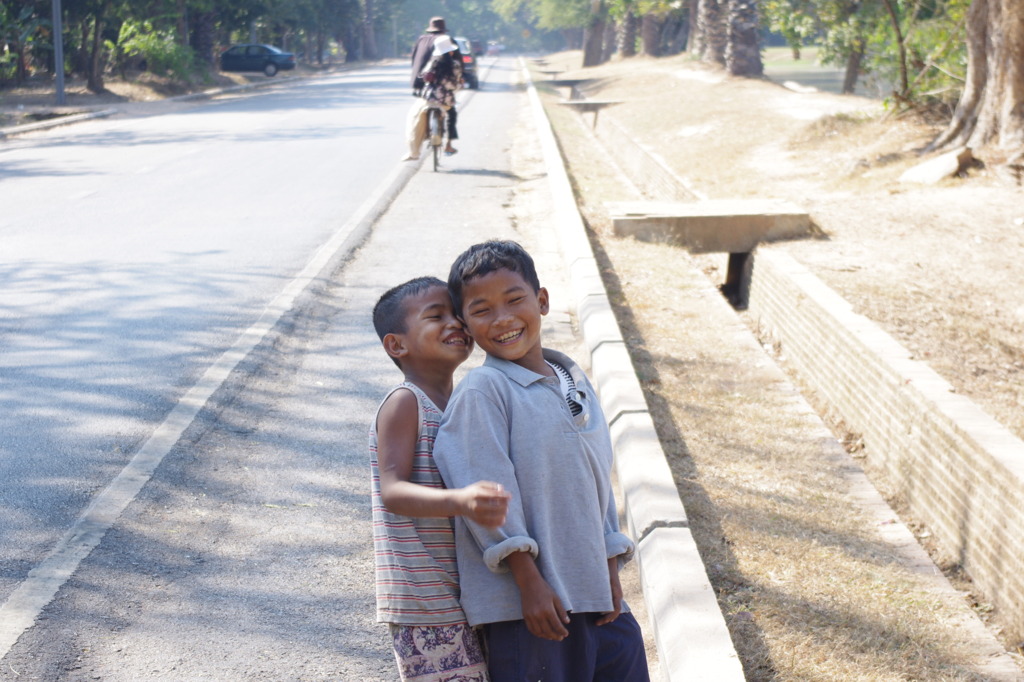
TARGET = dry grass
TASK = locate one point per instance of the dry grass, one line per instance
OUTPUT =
(809, 590)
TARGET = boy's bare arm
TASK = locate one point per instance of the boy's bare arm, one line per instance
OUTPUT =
(613, 577)
(398, 425)
(542, 609)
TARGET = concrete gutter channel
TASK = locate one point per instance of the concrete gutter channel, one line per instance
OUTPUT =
(692, 640)
(690, 631)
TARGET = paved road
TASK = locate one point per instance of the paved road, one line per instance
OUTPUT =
(132, 253)
(247, 555)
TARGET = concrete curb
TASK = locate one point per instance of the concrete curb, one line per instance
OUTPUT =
(690, 631)
(86, 116)
(54, 122)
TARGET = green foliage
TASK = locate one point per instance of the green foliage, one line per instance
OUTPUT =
(933, 32)
(844, 27)
(549, 15)
(619, 8)
(935, 46)
(794, 20)
(18, 31)
(164, 56)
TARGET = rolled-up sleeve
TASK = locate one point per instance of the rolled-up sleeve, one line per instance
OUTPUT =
(619, 545)
(473, 445)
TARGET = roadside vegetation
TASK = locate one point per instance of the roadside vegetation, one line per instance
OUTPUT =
(958, 58)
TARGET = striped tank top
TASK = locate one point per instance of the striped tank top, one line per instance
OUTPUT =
(417, 580)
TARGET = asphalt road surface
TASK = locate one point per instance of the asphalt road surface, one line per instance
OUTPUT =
(136, 255)
(132, 253)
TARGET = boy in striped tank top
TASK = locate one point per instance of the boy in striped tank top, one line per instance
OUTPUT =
(417, 580)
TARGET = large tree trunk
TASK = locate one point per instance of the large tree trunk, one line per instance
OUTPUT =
(21, 60)
(182, 19)
(650, 34)
(853, 61)
(991, 107)
(95, 77)
(593, 35)
(321, 44)
(743, 53)
(204, 31)
(712, 28)
(369, 34)
(611, 30)
(350, 41)
(698, 41)
(80, 60)
(676, 41)
(627, 35)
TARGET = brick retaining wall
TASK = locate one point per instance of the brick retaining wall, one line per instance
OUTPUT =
(961, 472)
(643, 166)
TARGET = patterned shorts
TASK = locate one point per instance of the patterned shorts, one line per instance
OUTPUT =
(447, 653)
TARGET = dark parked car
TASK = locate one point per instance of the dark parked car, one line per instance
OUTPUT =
(265, 58)
(468, 63)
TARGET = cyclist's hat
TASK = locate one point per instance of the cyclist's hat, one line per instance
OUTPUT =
(443, 45)
(436, 25)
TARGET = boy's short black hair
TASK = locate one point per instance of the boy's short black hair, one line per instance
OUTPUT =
(485, 258)
(389, 313)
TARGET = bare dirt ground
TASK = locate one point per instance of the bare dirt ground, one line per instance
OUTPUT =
(934, 265)
(808, 590)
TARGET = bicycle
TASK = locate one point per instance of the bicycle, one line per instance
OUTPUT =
(436, 132)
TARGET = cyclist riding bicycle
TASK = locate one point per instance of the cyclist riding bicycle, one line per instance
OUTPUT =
(442, 79)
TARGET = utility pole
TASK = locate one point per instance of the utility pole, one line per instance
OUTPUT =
(58, 51)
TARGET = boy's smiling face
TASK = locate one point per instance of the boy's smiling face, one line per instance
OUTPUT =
(433, 332)
(503, 315)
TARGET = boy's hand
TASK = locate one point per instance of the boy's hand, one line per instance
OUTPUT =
(613, 577)
(485, 503)
(543, 613)
(542, 609)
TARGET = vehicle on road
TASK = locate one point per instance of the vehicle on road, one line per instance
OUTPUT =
(265, 58)
(469, 73)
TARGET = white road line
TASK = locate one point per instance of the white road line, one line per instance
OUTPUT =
(39, 588)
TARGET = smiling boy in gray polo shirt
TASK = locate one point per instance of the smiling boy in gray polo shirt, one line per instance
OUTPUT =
(545, 586)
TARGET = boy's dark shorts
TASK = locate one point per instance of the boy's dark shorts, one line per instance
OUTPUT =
(591, 653)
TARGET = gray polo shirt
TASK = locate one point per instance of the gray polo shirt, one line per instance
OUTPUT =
(507, 424)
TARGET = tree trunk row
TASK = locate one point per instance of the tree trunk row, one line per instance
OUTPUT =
(726, 33)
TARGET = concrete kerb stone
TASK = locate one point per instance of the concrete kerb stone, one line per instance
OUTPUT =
(690, 631)
(621, 394)
(691, 634)
(647, 479)
(86, 116)
(54, 122)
